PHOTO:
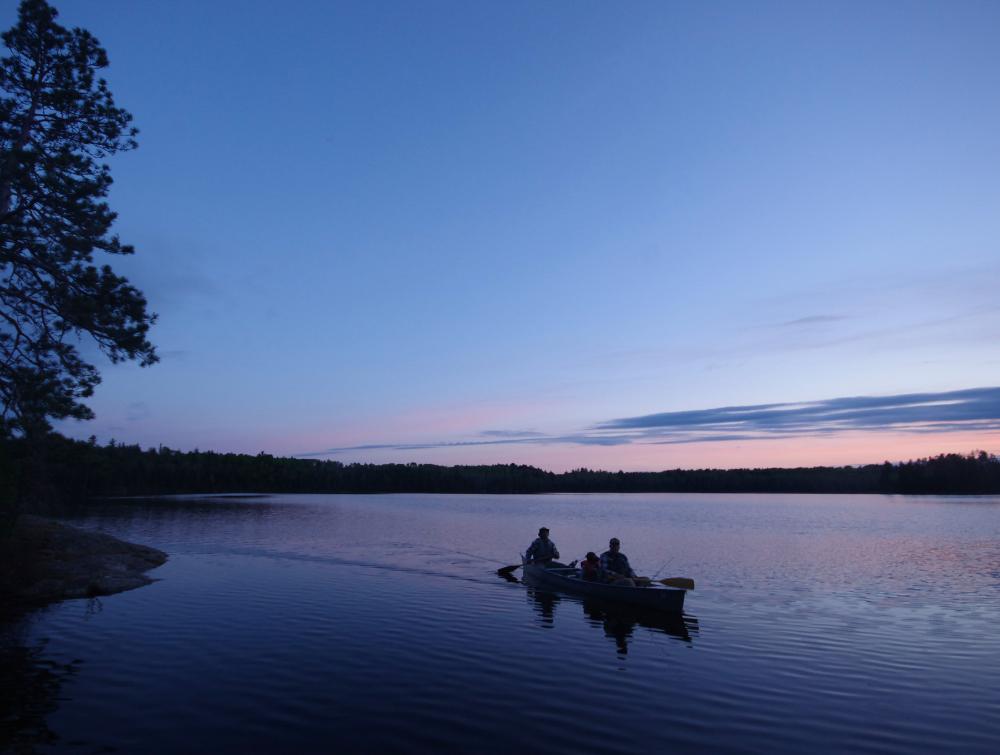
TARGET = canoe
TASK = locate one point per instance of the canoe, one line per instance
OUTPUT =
(567, 579)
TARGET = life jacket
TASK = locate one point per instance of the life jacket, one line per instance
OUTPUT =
(590, 570)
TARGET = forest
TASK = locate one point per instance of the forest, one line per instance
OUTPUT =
(74, 470)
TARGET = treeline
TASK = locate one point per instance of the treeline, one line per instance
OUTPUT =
(78, 469)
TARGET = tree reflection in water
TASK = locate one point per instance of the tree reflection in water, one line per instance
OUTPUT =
(30, 686)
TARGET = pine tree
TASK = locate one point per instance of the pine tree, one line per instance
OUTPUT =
(58, 122)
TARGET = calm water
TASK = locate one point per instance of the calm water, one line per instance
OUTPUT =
(377, 623)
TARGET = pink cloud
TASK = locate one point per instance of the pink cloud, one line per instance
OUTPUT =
(845, 449)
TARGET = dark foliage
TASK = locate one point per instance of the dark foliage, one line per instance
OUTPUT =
(58, 121)
(78, 469)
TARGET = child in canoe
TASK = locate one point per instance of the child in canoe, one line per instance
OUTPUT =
(590, 567)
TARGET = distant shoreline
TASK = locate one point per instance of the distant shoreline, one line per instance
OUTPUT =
(77, 469)
(73, 470)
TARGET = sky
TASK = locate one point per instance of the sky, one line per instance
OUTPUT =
(638, 235)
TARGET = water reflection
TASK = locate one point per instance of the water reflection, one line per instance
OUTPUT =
(167, 509)
(30, 689)
(316, 623)
(618, 622)
(544, 604)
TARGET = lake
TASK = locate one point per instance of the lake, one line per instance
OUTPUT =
(311, 623)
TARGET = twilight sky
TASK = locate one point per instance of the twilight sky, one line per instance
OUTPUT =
(616, 235)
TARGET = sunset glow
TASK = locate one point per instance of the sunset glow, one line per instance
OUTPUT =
(491, 233)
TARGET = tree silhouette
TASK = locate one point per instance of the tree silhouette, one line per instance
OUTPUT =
(74, 470)
(58, 121)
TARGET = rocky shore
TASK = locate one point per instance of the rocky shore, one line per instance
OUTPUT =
(43, 561)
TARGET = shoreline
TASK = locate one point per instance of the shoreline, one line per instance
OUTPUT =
(44, 561)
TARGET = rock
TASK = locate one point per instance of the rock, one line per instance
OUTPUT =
(43, 561)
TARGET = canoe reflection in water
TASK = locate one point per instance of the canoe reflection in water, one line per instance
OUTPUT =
(618, 621)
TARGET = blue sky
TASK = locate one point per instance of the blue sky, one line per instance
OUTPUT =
(394, 230)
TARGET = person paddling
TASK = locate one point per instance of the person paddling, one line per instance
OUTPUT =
(542, 551)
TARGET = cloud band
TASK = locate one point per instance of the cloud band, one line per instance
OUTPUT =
(975, 409)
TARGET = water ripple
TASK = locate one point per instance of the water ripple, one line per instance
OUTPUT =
(311, 623)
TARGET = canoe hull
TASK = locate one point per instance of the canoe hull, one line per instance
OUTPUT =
(658, 598)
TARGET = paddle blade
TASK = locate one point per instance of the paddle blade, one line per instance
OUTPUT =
(683, 582)
(503, 571)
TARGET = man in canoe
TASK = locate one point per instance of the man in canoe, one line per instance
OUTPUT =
(542, 551)
(616, 569)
